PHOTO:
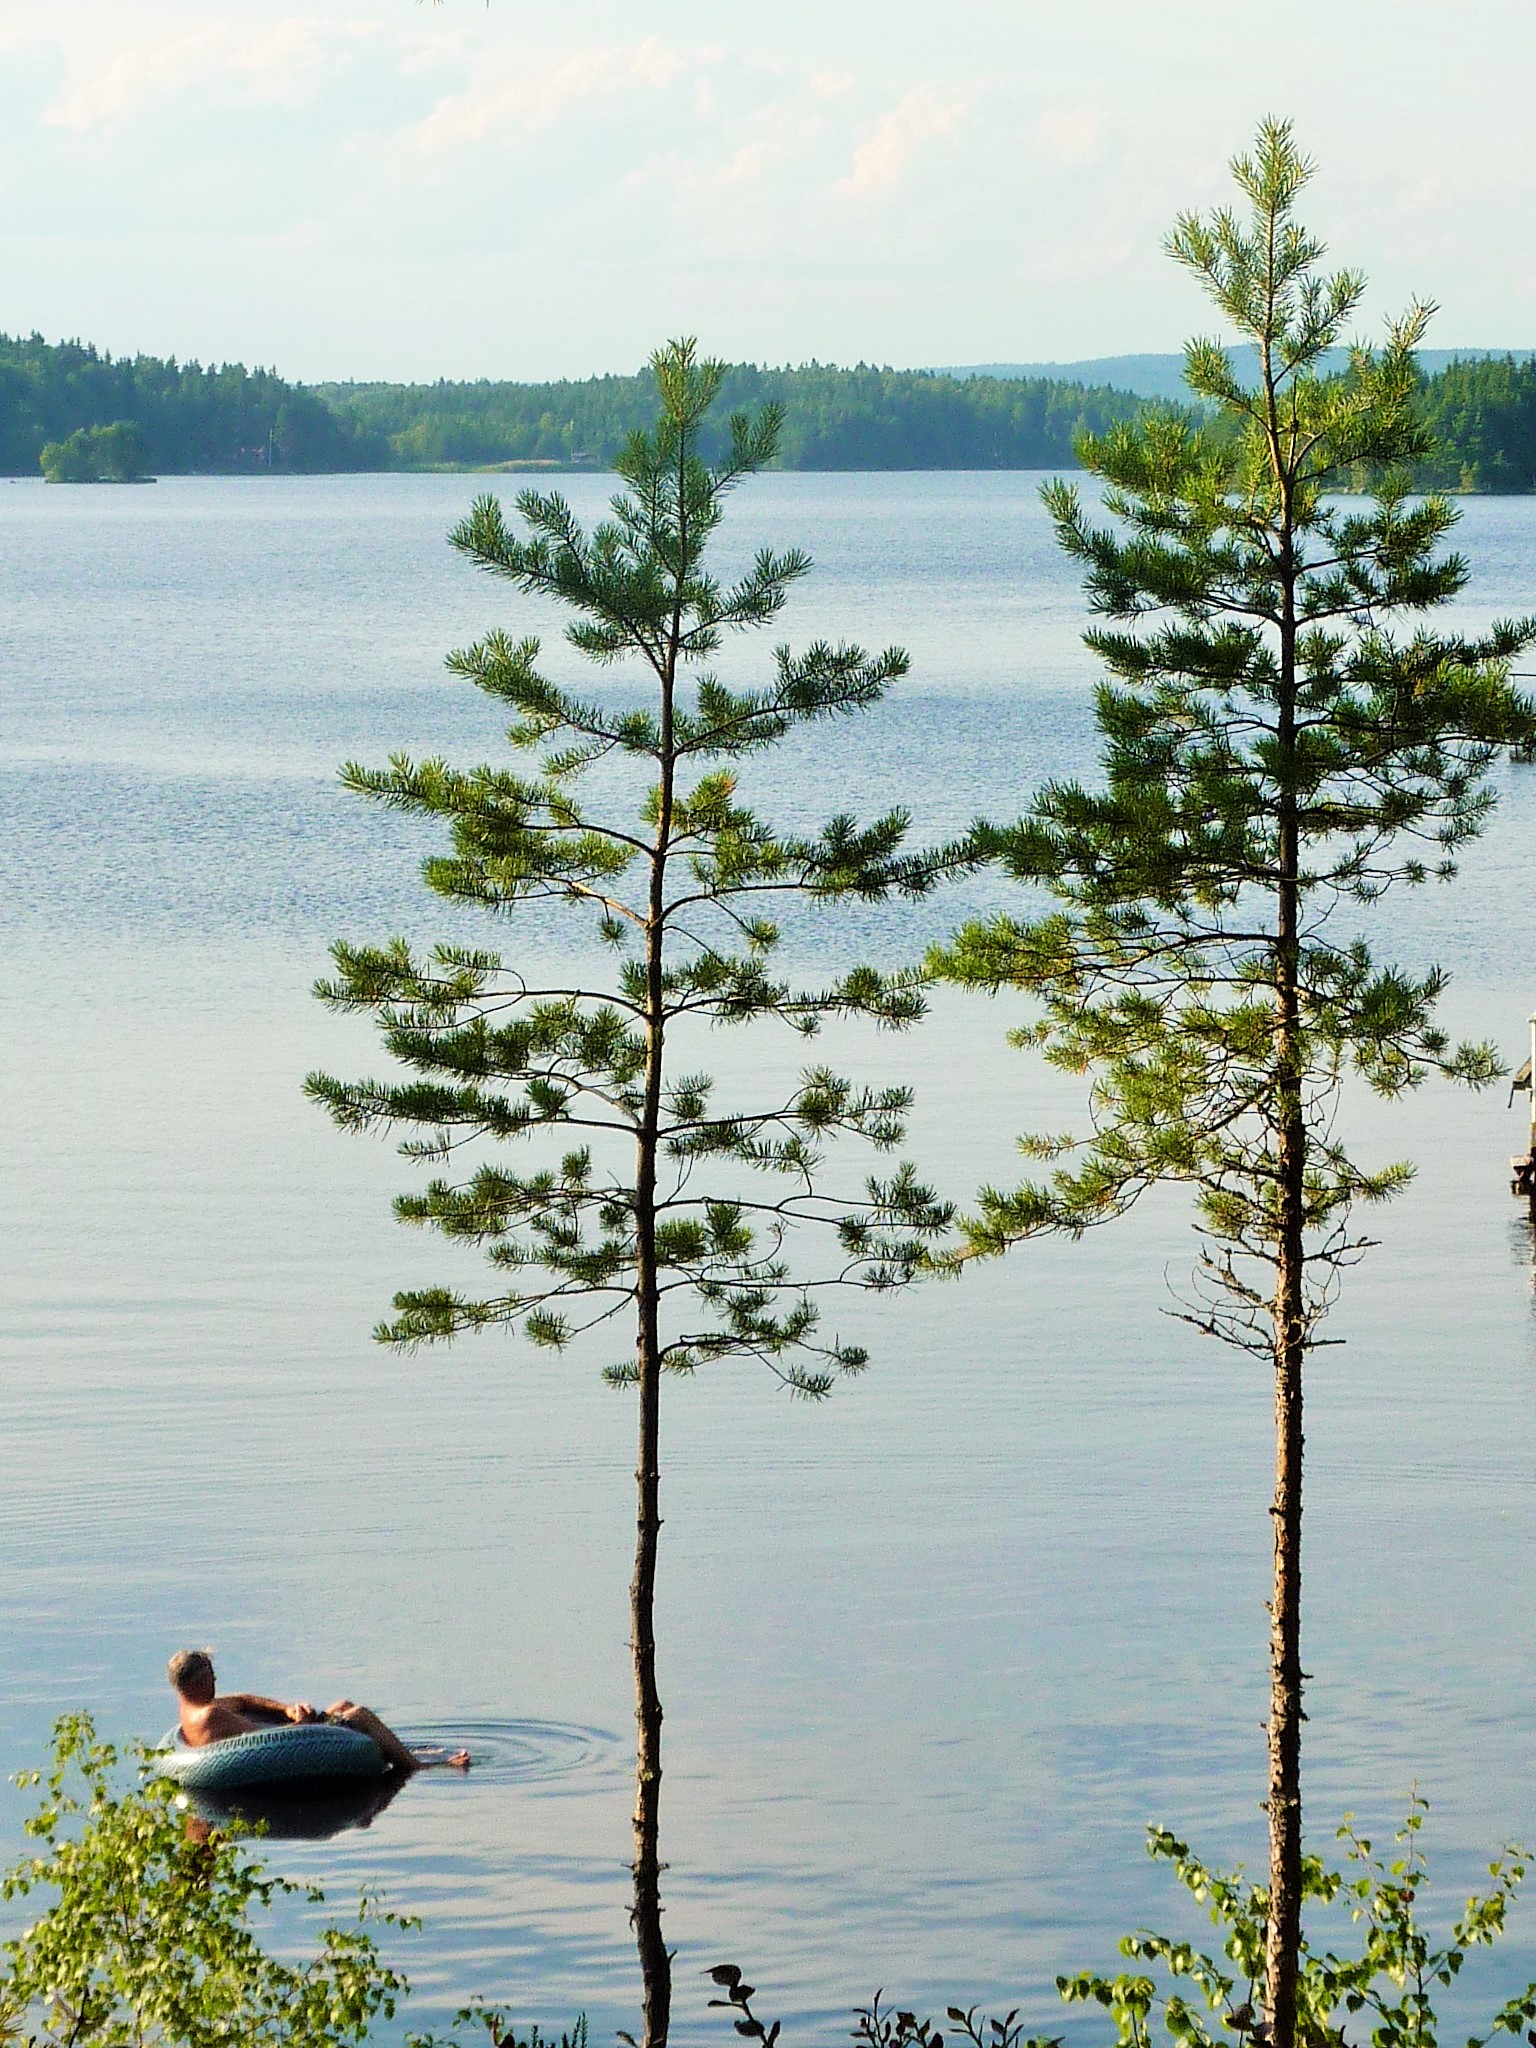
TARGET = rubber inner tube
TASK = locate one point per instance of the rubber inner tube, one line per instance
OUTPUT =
(272, 1756)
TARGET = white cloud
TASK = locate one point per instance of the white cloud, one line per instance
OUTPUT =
(280, 65)
(898, 135)
(822, 189)
(1070, 133)
(772, 137)
(524, 98)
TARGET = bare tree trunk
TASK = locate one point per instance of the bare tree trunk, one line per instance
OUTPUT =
(1283, 1942)
(645, 1914)
(1283, 1804)
(655, 1963)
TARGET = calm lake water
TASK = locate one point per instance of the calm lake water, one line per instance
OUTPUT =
(932, 1654)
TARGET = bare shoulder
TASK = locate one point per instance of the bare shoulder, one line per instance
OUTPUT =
(214, 1723)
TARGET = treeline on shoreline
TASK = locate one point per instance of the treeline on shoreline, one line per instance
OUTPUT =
(864, 418)
(189, 417)
(229, 420)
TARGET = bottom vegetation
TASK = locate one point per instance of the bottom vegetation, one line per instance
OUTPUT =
(1381, 1987)
(151, 1939)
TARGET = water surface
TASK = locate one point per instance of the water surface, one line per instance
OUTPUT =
(934, 1653)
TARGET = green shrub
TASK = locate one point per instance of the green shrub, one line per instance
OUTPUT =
(149, 1942)
(1202, 2001)
(1392, 1980)
(495, 2023)
(97, 455)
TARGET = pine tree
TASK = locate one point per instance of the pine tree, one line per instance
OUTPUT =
(1284, 739)
(653, 1208)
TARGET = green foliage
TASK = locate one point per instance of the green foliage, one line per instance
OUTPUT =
(1392, 1978)
(1181, 1995)
(1276, 718)
(495, 2023)
(1284, 739)
(678, 883)
(149, 1942)
(863, 418)
(96, 455)
(878, 2025)
(191, 417)
(737, 2001)
(1483, 416)
(650, 1203)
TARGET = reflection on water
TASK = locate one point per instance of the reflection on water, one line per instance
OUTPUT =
(1521, 1232)
(311, 1810)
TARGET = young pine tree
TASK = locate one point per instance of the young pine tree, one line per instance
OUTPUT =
(650, 1207)
(1284, 739)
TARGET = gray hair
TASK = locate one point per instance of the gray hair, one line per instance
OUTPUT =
(189, 1664)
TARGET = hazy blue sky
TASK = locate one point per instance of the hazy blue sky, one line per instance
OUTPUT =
(538, 187)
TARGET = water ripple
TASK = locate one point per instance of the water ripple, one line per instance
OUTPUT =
(523, 1752)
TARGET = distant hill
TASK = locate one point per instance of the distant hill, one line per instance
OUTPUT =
(1162, 376)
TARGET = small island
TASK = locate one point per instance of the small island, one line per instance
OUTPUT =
(98, 455)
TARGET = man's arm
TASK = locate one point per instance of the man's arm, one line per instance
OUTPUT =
(257, 1703)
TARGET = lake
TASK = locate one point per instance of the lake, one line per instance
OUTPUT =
(932, 1654)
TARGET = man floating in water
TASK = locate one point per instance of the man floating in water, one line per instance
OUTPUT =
(209, 1716)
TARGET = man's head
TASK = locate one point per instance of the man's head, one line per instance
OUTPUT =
(191, 1672)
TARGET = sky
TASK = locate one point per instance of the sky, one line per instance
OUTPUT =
(539, 188)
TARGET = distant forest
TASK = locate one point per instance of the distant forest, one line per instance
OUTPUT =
(189, 417)
(834, 419)
(1484, 413)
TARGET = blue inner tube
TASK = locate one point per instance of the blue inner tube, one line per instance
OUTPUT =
(271, 1756)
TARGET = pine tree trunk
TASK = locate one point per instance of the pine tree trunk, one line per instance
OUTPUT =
(655, 1963)
(1285, 1678)
(1283, 1804)
(645, 1914)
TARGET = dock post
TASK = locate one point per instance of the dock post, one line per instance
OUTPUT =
(1523, 1169)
